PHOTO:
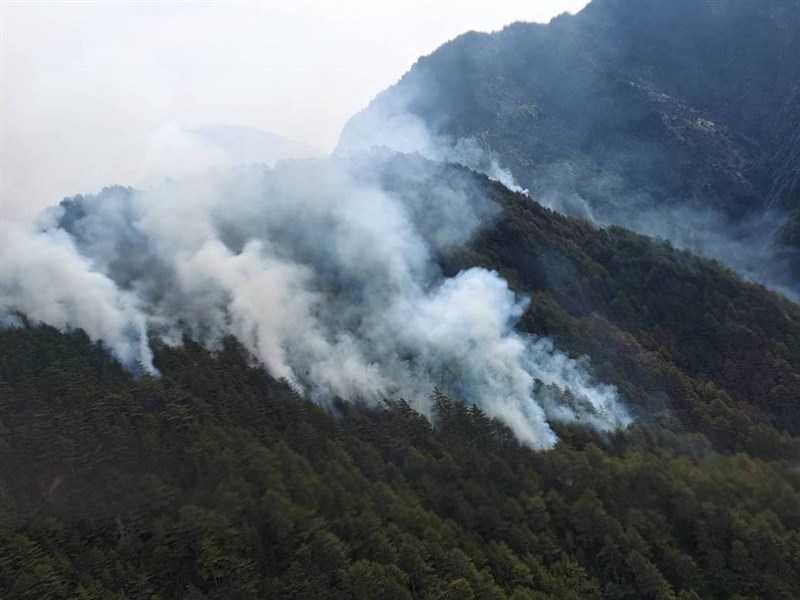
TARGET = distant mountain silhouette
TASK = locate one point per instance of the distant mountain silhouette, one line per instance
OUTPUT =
(248, 145)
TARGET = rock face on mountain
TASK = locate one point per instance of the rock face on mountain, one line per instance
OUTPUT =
(679, 119)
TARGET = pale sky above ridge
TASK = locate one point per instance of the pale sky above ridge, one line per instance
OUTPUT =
(97, 93)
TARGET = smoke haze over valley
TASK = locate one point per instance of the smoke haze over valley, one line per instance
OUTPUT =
(526, 329)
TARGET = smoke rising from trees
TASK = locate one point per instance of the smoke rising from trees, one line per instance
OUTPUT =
(324, 269)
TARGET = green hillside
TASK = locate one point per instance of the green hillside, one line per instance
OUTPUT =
(216, 481)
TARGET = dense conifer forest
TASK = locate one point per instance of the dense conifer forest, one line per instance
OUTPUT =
(192, 374)
(214, 480)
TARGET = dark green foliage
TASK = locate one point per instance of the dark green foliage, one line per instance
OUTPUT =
(684, 339)
(216, 481)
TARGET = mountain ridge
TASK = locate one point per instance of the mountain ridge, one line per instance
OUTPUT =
(651, 115)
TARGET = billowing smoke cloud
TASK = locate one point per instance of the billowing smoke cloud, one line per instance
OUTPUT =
(324, 269)
(44, 274)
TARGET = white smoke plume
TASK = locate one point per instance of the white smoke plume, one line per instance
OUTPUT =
(324, 269)
(388, 123)
(44, 274)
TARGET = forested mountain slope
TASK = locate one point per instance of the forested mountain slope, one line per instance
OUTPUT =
(216, 481)
(673, 118)
(646, 312)
(383, 376)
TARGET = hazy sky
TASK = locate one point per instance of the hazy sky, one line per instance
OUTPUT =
(97, 93)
